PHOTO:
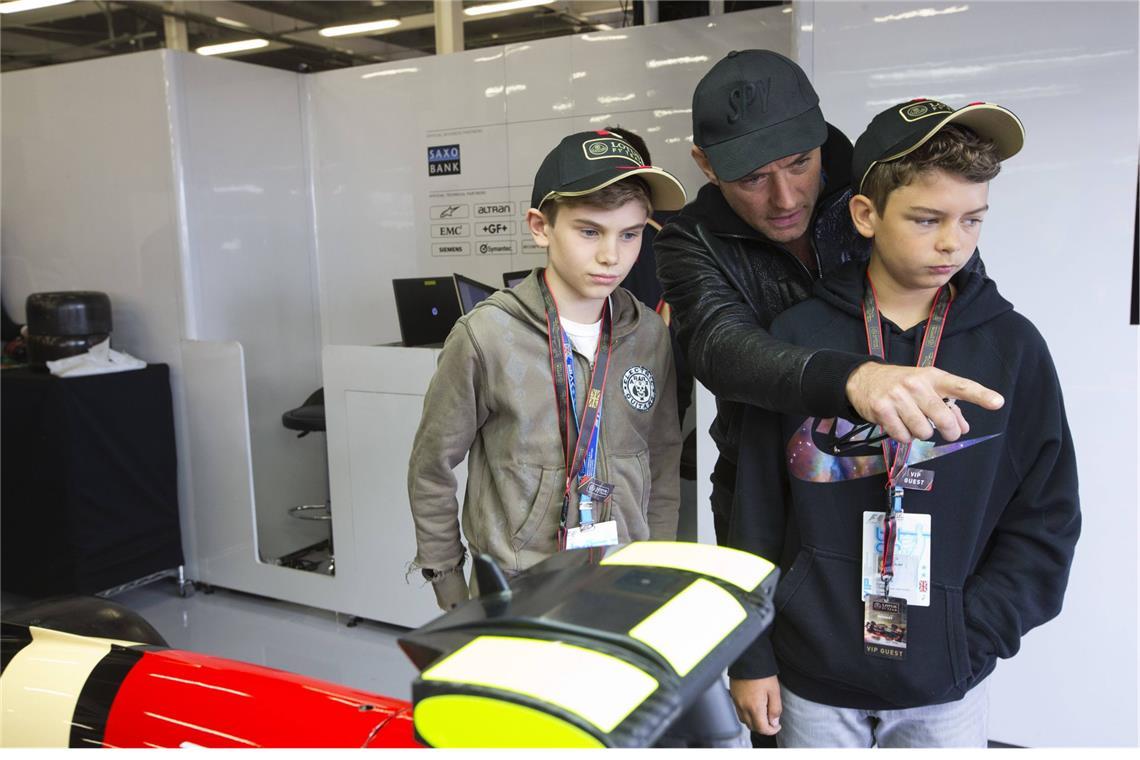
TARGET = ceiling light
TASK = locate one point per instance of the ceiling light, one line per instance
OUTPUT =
(15, 6)
(389, 73)
(231, 22)
(364, 28)
(921, 13)
(604, 37)
(658, 63)
(511, 5)
(232, 47)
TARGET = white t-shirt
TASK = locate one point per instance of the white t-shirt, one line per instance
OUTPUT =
(583, 337)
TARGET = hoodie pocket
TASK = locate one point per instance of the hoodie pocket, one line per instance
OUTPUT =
(533, 533)
(959, 646)
(629, 504)
(819, 634)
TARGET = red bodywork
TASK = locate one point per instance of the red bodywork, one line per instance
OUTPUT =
(173, 698)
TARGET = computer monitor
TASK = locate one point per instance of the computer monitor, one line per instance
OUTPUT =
(510, 279)
(426, 308)
(470, 292)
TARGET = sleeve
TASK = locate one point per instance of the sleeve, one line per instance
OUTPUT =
(759, 516)
(1021, 580)
(727, 348)
(454, 410)
(664, 449)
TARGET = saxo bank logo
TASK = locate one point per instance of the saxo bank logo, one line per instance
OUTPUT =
(443, 159)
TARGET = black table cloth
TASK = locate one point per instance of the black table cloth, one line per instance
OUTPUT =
(88, 480)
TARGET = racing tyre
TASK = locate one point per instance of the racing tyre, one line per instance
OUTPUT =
(69, 312)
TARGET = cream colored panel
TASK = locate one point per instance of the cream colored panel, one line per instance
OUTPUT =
(41, 685)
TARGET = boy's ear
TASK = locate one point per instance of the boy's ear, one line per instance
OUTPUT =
(704, 165)
(863, 215)
(539, 228)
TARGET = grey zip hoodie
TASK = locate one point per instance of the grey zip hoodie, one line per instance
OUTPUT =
(492, 399)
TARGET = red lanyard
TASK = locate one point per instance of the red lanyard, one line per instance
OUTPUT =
(896, 465)
(563, 398)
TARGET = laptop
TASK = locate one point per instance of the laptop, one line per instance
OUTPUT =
(470, 292)
(510, 279)
(426, 308)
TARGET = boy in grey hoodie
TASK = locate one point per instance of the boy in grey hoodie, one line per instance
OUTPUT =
(568, 442)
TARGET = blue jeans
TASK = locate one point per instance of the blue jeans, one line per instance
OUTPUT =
(954, 724)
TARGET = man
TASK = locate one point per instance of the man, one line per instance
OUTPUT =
(771, 221)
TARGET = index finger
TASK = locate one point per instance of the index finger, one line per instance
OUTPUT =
(962, 389)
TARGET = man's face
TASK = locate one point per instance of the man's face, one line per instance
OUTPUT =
(928, 230)
(776, 199)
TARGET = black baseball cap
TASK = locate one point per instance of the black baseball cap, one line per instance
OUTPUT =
(903, 127)
(752, 108)
(588, 161)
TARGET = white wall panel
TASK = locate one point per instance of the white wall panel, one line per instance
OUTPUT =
(506, 108)
(1058, 240)
(89, 204)
(250, 254)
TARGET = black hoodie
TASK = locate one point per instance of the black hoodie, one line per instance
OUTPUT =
(1004, 510)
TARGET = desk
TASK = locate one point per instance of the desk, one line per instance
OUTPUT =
(89, 480)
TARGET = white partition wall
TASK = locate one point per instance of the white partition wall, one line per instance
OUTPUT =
(89, 203)
(243, 178)
(1058, 241)
(380, 214)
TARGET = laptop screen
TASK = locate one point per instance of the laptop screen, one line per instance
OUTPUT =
(470, 292)
(426, 308)
(510, 279)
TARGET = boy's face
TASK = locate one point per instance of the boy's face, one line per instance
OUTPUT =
(590, 250)
(928, 230)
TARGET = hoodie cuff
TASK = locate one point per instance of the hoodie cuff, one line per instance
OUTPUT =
(758, 661)
(823, 384)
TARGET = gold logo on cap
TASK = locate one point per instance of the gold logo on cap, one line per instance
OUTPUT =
(916, 111)
(608, 147)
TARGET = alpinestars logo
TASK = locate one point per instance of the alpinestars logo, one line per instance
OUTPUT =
(833, 450)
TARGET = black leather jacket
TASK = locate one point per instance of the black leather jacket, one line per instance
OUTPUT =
(725, 283)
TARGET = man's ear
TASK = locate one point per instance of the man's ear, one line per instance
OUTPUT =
(704, 165)
(863, 215)
(539, 228)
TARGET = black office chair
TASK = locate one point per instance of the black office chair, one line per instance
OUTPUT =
(309, 418)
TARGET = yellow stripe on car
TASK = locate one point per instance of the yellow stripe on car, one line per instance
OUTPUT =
(691, 625)
(741, 569)
(599, 688)
(468, 720)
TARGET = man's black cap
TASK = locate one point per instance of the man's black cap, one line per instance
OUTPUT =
(588, 161)
(752, 108)
(903, 127)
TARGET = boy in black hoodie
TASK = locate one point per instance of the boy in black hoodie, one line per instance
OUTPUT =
(908, 570)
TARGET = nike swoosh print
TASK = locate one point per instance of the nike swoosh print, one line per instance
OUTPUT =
(806, 461)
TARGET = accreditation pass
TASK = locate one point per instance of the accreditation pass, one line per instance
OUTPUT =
(911, 579)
